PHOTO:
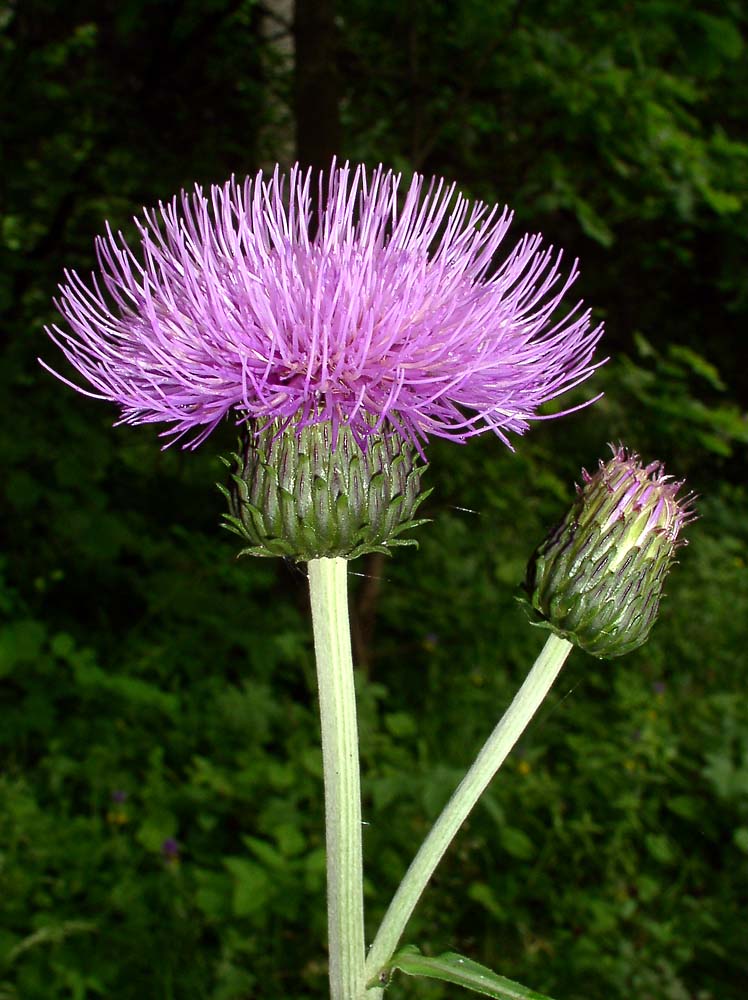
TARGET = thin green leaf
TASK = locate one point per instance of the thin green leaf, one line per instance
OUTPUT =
(453, 968)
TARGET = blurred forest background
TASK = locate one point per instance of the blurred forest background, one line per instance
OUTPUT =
(160, 788)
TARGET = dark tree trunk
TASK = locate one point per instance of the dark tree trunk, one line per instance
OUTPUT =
(316, 86)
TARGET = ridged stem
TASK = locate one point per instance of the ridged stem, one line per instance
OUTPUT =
(337, 702)
(511, 726)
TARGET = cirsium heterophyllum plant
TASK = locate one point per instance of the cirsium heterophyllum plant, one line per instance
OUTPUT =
(343, 323)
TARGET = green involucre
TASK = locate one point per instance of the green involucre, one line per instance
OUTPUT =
(598, 577)
(293, 494)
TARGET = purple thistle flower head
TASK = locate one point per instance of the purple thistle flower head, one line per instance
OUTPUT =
(394, 309)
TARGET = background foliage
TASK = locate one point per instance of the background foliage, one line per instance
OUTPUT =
(160, 793)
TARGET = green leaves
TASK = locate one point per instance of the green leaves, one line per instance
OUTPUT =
(453, 968)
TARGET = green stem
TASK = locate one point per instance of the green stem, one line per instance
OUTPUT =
(489, 760)
(337, 702)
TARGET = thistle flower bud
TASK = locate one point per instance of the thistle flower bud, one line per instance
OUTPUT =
(315, 491)
(598, 577)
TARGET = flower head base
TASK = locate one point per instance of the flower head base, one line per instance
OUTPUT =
(307, 495)
(598, 577)
(394, 310)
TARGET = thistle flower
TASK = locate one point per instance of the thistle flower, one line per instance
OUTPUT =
(388, 324)
(598, 577)
(386, 314)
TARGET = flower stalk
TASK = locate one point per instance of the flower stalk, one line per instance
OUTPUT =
(495, 751)
(337, 701)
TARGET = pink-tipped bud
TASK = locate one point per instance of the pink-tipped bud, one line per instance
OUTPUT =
(598, 577)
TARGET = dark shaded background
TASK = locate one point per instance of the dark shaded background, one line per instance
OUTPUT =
(160, 813)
